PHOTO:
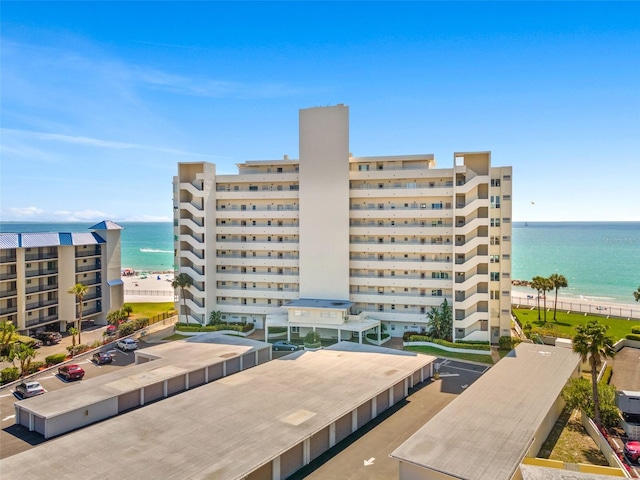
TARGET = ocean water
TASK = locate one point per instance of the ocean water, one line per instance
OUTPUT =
(601, 260)
(145, 246)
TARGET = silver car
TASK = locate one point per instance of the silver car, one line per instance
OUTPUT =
(29, 389)
(127, 344)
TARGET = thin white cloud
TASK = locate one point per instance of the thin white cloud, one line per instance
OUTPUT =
(87, 141)
(81, 215)
(21, 212)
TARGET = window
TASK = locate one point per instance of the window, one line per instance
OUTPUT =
(506, 177)
(495, 201)
(495, 182)
(494, 258)
(495, 240)
(495, 222)
(506, 220)
(495, 294)
(279, 170)
(253, 188)
(495, 276)
(506, 238)
(363, 168)
(506, 256)
(507, 197)
(436, 293)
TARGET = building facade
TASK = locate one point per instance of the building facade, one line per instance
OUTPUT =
(391, 236)
(37, 269)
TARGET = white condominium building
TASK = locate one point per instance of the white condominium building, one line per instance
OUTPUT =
(37, 269)
(345, 244)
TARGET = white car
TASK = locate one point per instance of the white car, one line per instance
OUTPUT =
(30, 389)
(127, 344)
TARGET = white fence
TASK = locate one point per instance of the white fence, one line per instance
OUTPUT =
(564, 306)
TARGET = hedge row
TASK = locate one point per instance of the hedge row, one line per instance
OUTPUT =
(606, 376)
(55, 358)
(444, 343)
(9, 374)
(474, 342)
(508, 343)
(635, 329)
(236, 327)
(633, 336)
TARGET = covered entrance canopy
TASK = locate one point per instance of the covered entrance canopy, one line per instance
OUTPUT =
(321, 313)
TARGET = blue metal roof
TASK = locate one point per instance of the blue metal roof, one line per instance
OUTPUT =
(9, 240)
(106, 225)
(65, 239)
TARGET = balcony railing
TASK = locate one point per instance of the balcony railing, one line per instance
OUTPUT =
(249, 290)
(257, 240)
(8, 276)
(269, 208)
(373, 224)
(32, 257)
(88, 268)
(8, 258)
(8, 293)
(41, 319)
(41, 304)
(400, 186)
(87, 253)
(392, 260)
(259, 257)
(237, 272)
(413, 206)
(41, 272)
(41, 288)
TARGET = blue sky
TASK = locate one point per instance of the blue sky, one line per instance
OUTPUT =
(100, 100)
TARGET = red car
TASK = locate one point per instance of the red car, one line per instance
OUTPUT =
(71, 372)
(632, 450)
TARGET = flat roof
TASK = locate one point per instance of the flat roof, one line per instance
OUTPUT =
(227, 428)
(319, 303)
(169, 360)
(531, 472)
(485, 432)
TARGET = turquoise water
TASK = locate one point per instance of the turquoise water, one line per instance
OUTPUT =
(601, 260)
(145, 246)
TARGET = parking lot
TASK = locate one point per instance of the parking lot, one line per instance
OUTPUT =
(15, 438)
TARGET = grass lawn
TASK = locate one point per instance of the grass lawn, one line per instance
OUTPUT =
(149, 310)
(569, 442)
(436, 352)
(565, 325)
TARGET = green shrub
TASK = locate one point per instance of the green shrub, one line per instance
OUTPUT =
(606, 376)
(55, 359)
(474, 342)
(126, 328)
(78, 349)
(190, 328)
(633, 336)
(277, 330)
(508, 343)
(312, 339)
(196, 327)
(407, 335)
(140, 323)
(635, 329)
(9, 374)
(34, 367)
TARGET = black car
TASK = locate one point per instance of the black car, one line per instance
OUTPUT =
(102, 357)
(48, 338)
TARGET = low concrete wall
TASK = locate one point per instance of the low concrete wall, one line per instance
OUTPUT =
(603, 444)
(223, 332)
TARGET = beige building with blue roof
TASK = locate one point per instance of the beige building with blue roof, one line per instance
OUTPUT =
(37, 269)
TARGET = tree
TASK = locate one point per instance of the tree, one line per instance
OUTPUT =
(73, 331)
(440, 322)
(578, 393)
(537, 283)
(215, 318)
(559, 281)
(127, 309)
(79, 290)
(24, 353)
(182, 281)
(547, 286)
(593, 346)
(114, 317)
(7, 337)
(636, 295)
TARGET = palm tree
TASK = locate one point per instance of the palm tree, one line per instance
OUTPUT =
(559, 281)
(7, 336)
(79, 290)
(547, 286)
(127, 309)
(593, 345)
(182, 281)
(73, 331)
(24, 353)
(537, 284)
(636, 295)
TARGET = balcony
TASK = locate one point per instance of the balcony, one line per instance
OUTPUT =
(87, 253)
(41, 288)
(8, 310)
(8, 293)
(41, 272)
(88, 268)
(8, 276)
(32, 322)
(8, 258)
(41, 304)
(34, 257)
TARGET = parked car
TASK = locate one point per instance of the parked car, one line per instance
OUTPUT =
(632, 450)
(102, 357)
(127, 344)
(29, 389)
(48, 338)
(71, 372)
(30, 342)
(111, 330)
(284, 345)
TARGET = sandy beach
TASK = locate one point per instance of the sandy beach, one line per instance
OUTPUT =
(152, 287)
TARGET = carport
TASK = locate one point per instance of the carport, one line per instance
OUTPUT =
(160, 371)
